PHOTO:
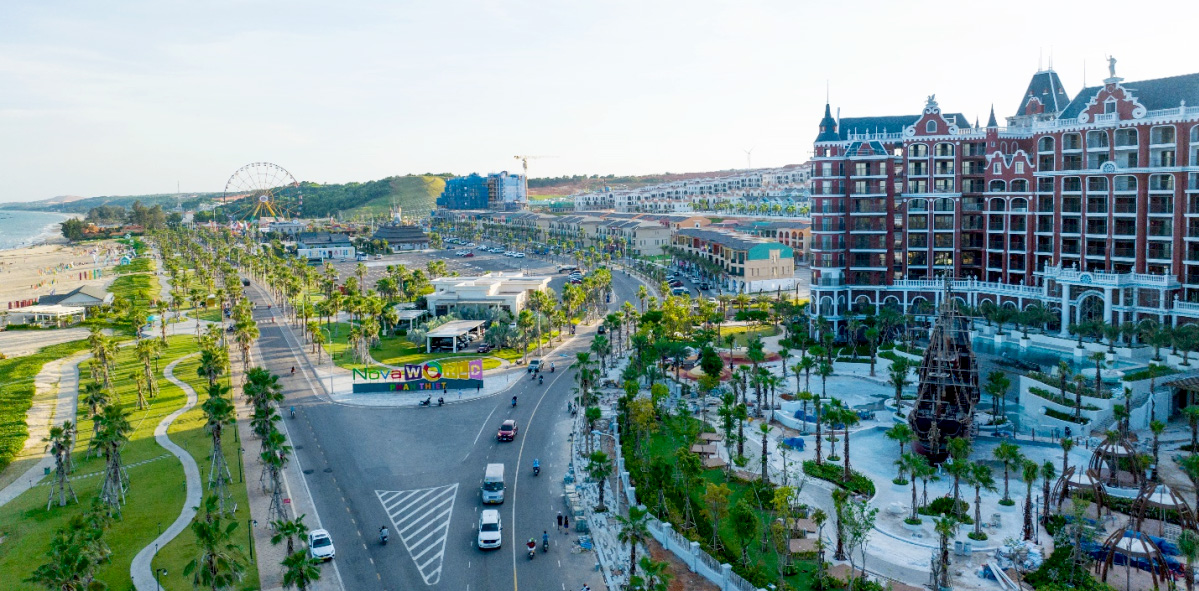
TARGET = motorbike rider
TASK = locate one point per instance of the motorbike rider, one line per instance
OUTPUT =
(551, 367)
(536, 466)
(540, 380)
(293, 370)
(513, 401)
(383, 534)
(545, 540)
(441, 401)
(532, 546)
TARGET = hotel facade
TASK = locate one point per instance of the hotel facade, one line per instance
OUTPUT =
(1088, 206)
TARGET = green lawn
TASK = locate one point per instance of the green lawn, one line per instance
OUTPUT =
(398, 351)
(138, 282)
(663, 445)
(211, 314)
(188, 432)
(16, 394)
(746, 333)
(155, 495)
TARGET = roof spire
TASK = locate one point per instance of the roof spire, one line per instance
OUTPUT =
(991, 120)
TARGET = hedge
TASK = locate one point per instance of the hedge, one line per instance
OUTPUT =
(1050, 396)
(834, 472)
(1057, 414)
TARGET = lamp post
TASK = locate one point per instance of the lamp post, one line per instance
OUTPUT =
(615, 443)
(159, 572)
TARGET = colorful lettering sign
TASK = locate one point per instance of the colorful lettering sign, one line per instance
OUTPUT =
(433, 375)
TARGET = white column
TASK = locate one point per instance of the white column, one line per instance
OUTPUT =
(1065, 310)
(1107, 306)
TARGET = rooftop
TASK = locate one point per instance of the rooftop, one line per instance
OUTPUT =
(729, 239)
(455, 328)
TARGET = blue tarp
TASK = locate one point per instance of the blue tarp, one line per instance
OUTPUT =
(795, 443)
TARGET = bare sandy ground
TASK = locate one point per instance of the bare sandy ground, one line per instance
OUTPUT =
(26, 273)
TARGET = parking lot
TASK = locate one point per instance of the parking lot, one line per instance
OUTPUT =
(478, 264)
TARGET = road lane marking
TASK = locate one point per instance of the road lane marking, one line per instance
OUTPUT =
(421, 518)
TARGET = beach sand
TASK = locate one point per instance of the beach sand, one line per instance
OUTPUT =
(33, 271)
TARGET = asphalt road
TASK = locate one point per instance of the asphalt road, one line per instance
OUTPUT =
(419, 470)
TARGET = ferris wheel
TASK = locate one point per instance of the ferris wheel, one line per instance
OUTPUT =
(262, 189)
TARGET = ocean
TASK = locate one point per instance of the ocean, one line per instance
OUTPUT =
(26, 228)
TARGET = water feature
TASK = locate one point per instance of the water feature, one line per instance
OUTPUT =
(1046, 357)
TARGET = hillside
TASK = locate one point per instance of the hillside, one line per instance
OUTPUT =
(415, 194)
(85, 204)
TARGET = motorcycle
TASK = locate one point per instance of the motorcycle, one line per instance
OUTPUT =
(536, 468)
(540, 380)
(551, 368)
(440, 401)
(513, 402)
(293, 412)
(545, 543)
(532, 550)
(426, 402)
(383, 536)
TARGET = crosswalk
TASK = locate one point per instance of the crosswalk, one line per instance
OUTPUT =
(422, 520)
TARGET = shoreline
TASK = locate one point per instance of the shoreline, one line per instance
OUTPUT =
(50, 234)
(54, 266)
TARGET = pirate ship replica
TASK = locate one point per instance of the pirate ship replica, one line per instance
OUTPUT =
(948, 387)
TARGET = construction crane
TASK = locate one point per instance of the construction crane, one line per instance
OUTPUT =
(524, 161)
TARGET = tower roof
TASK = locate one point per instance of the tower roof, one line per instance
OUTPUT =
(1046, 87)
(828, 127)
(991, 120)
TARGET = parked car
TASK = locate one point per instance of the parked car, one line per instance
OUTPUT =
(484, 348)
(601, 330)
(676, 283)
(679, 291)
(467, 254)
(320, 545)
(490, 529)
(507, 431)
(519, 255)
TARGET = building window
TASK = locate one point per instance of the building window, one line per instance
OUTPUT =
(1019, 168)
(917, 151)
(998, 168)
(1109, 107)
(930, 127)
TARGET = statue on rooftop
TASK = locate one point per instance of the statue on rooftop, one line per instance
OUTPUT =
(1111, 66)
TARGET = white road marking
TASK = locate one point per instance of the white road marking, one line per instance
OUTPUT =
(422, 520)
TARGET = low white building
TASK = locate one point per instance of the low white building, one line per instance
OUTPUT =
(499, 291)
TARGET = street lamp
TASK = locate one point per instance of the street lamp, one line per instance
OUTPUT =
(614, 444)
(159, 572)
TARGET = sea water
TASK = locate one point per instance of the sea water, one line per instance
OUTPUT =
(26, 228)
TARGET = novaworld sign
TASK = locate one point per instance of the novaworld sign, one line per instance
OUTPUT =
(434, 375)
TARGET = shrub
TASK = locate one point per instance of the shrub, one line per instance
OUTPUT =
(900, 481)
(751, 316)
(833, 473)
(979, 536)
(1064, 416)
(1162, 370)
(913, 521)
(1050, 396)
(944, 506)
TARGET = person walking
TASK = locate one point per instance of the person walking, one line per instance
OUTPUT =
(566, 524)
(559, 520)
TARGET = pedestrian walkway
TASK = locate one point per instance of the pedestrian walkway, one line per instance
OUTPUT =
(141, 569)
(422, 520)
(56, 394)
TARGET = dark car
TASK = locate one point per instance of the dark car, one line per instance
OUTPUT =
(507, 431)
(484, 348)
(601, 330)
(468, 254)
(676, 283)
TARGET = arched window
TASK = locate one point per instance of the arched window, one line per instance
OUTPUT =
(1019, 204)
(930, 127)
(1096, 184)
(917, 150)
(1162, 134)
(1097, 139)
(997, 186)
(1071, 141)
(917, 205)
(944, 149)
(944, 204)
(1045, 144)
(1126, 183)
(1020, 186)
(1161, 182)
(997, 205)
(1195, 136)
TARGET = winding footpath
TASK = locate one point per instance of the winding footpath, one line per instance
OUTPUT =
(141, 570)
(56, 394)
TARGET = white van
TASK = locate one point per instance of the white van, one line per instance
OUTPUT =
(493, 484)
(490, 529)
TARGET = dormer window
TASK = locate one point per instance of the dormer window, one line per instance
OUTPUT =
(930, 127)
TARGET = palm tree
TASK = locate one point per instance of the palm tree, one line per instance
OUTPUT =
(599, 467)
(634, 530)
(1048, 474)
(898, 377)
(1028, 474)
(806, 364)
(824, 372)
(981, 479)
(300, 571)
(1067, 444)
(1009, 454)
(848, 417)
(1157, 427)
(289, 530)
(765, 429)
(959, 469)
(1188, 548)
(918, 468)
(220, 564)
(997, 386)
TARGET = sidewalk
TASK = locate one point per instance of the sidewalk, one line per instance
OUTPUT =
(141, 570)
(56, 394)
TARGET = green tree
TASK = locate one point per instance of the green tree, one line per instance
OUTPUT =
(901, 433)
(1028, 474)
(220, 563)
(634, 530)
(981, 479)
(599, 467)
(997, 386)
(716, 499)
(745, 526)
(300, 571)
(897, 375)
(1188, 548)
(288, 530)
(1009, 455)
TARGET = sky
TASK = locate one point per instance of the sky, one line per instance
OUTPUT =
(136, 97)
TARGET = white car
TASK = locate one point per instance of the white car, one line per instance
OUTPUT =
(490, 529)
(320, 545)
(519, 255)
